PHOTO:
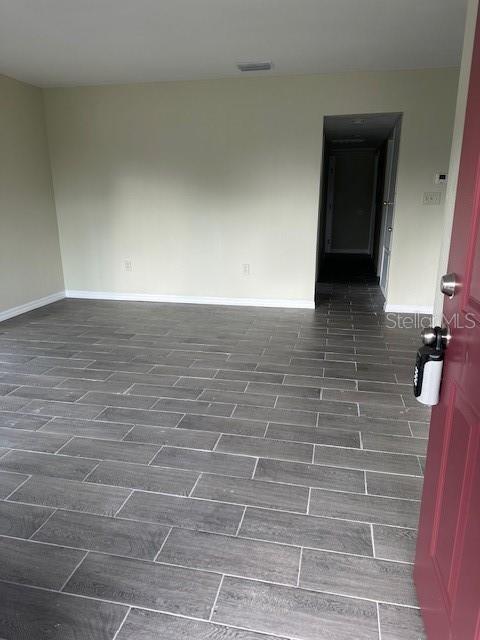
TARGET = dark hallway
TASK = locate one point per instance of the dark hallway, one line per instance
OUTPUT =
(348, 268)
(357, 200)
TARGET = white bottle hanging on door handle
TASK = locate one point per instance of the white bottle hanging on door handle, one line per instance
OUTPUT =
(427, 377)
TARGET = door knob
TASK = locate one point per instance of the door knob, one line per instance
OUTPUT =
(429, 336)
(449, 284)
(436, 335)
(390, 229)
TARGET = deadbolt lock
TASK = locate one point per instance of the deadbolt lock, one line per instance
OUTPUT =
(449, 284)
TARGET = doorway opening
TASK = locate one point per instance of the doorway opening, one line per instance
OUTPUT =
(357, 200)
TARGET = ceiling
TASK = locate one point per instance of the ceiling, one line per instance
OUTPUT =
(359, 130)
(76, 42)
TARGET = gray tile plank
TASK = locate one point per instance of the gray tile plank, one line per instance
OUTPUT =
(422, 461)
(57, 361)
(21, 421)
(401, 623)
(140, 416)
(394, 486)
(199, 384)
(9, 482)
(395, 444)
(314, 435)
(364, 424)
(87, 374)
(293, 390)
(101, 533)
(129, 401)
(188, 438)
(21, 520)
(383, 387)
(314, 370)
(364, 508)
(84, 385)
(250, 376)
(307, 418)
(142, 378)
(419, 429)
(31, 440)
(367, 397)
(200, 371)
(38, 369)
(47, 464)
(357, 577)
(396, 413)
(36, 564)
(151, 625)
(297, 613)
(32, 380)
(375, 375)
(47, 393)
(321, 383)
(310, 475)
(307, 531)
(62, 409)
(265, 447)
(147, 478)
(394, 543)
(87, 428)
(194, 406)
(232, 556)
(369, 460)
(110, 450)
(70, 494)
(223, 425)
(205, 461)
(134, 367)
(145, 584)
(164, 391)
(202, 515)
(26, 611)
(322, 406)
(252, 492)
(255, 399)
(224, 364)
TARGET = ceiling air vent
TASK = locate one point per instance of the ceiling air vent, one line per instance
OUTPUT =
(254, 66)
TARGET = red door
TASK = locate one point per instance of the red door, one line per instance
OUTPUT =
(447, 566)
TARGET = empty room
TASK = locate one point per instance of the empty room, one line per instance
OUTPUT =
(239, 320)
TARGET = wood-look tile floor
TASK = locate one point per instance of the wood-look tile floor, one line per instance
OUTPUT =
(177, 472)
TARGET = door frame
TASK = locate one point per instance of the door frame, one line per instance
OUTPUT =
(383, 266)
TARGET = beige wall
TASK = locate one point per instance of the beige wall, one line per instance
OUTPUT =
(29, 249)
(472, 10)
(191, 180)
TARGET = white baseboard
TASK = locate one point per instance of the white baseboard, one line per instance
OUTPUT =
(30, 306)
(408, 308)
(150, 297)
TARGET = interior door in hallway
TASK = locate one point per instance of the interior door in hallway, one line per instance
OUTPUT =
(447, 567)
(387, 210)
